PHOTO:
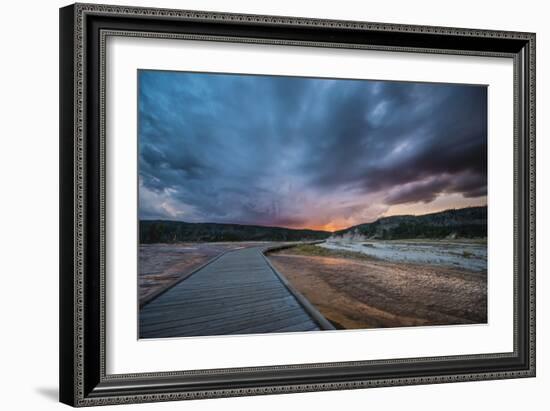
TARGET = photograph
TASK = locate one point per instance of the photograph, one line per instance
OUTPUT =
(275, 204)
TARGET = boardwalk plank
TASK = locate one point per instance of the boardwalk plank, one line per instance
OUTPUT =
(226, 328)
(222, 299)
(225, 325)
(216, 288)
(227, 310)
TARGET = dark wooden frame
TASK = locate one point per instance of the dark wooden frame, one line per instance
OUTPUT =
(83, 29)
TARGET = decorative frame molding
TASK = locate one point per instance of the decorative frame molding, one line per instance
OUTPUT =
(83, 32)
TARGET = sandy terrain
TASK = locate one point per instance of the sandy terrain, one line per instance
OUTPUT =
(161, 264)
(353, 290)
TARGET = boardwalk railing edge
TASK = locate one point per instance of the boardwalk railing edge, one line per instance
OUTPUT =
(303, 301)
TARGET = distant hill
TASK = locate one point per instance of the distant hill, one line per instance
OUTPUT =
(468, 222)
(160, 231)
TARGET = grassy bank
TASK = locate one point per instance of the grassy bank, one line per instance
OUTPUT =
(311, 250)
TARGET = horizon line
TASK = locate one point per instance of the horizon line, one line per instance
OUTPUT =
(312, 229)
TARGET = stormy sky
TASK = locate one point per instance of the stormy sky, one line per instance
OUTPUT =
(304, 152)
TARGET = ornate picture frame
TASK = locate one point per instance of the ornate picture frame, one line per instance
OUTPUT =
(84, 30)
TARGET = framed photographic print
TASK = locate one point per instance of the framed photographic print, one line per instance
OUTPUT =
(261, 204)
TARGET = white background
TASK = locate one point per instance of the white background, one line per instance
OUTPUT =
(29, 207)
(125, 354)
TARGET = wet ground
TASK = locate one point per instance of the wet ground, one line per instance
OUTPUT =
(354, 290)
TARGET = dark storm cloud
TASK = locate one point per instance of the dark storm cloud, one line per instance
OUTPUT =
(427, 190)
(291, 151)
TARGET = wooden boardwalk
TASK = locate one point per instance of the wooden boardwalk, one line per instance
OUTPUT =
(237, 293)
